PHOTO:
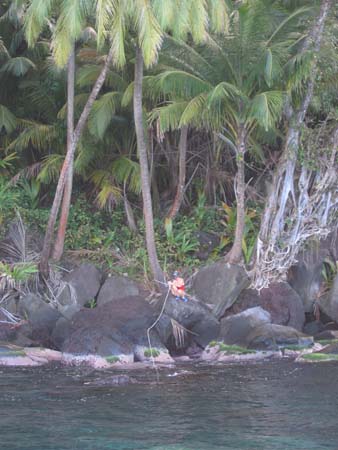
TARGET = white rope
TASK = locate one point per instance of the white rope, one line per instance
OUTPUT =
(150, 328)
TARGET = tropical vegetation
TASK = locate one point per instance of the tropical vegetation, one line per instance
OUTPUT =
(128, 127)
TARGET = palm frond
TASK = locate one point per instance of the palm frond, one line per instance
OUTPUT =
(88, 74)
(69, 26)
(18, 66)
(164, 11)
(266, 108)
(102, 113)
(36, 134)
(51, 168)
(8, 121)
(127, 171)
(4, 55)
(7, 161)
(194, 111)
(219, 17)
(104, 14)
(108, 192)
(36, 18)
(198, 20)
(177, 83)
(118, 31)
(79, 103)
(127, 97)
(168, 116)
(150, 35)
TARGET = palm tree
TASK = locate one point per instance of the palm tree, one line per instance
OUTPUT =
(69, 26)
(148, 20)
(232, 86)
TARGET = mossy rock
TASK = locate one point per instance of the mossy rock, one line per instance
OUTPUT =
(112, 359)
(320, 357)
(234, 349)
(11, 353)
(151, 352)
(231, 349)
(327, 341)
(296, 347)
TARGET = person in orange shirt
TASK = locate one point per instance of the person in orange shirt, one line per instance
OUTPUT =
(177, 287)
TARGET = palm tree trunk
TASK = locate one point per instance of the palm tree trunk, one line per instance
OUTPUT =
(145, 177)
(67, 194)
(235, 254)
(181, 177)
(47, 244)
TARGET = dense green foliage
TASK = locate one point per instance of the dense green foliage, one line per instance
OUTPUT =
(218, 85)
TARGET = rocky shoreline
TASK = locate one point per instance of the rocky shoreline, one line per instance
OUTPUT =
(109, 320)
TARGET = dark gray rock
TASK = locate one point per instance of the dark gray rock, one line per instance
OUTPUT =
(39, 313)
(236, 329)
(273, 337)
(313, 328)
(306, 276)
(115, 288)
(279, 299)
(201, 324)
(219, 285)
(82, 286)
(60, 332)
(10, 304)
(327, 335)
(331, 349)
(17, 334)
(41, 316)
(329, 303)
(112, 329)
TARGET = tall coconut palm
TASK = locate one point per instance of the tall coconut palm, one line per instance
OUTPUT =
(69, 25)
(233, 86)
(148, 20)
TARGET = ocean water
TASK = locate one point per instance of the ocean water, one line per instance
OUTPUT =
(274, 405)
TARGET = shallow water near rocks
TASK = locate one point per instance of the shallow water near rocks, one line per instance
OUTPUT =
(274, 405)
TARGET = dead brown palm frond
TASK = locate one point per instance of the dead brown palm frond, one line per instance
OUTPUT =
(15, 248)
(179, 333)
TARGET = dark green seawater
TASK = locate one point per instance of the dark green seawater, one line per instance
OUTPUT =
(275, 405)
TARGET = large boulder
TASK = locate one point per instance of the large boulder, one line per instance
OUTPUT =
(329, 303)
(41, 317)
(219, 285)
(61, 332)
(306, 276)
(81, 286)
(235, 329)
(17, 334)
(272, 337)
(279, 299)
(115, 288)
(115, 329)
(200, 324)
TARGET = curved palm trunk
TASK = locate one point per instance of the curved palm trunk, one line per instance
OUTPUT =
(145, 177)
(47, 244)
(67, 194)
(235, 254)
(181, 177)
